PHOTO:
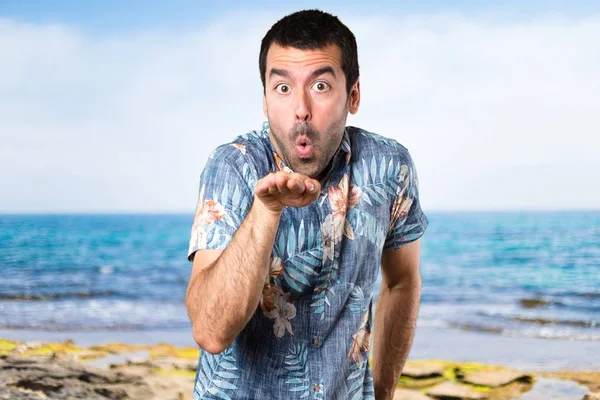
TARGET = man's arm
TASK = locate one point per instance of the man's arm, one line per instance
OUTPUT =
(395, 316)
(225, 287)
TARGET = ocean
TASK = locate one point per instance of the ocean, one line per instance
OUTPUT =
(512, 274)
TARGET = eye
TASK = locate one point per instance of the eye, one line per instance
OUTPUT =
(282, 88)
(320, 86)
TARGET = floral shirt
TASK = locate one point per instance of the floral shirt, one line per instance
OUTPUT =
(310, 335)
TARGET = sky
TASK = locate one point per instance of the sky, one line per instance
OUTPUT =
(115, 106)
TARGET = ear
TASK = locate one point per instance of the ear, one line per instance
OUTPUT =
(265, 108)
(354, 98)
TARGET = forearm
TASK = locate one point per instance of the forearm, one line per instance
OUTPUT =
(395, 320)
(222, 298)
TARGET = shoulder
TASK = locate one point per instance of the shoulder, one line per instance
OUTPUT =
(245, 159)
(248, 149)
(367, 145)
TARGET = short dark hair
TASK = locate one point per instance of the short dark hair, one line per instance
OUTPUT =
(310, 30)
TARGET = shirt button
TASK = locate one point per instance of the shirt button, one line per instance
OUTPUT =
(317, 388)
(315, 341)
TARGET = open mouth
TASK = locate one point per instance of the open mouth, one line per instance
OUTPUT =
(303, 141)
(304, 147)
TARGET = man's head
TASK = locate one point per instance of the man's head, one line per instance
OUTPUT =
(309, 69)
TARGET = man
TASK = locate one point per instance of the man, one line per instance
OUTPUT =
(292, 224)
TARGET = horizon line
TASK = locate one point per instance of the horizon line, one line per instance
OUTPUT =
(171, 212)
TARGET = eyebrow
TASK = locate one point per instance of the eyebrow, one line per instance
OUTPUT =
(317, 72)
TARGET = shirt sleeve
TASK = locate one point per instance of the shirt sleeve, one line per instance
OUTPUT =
(407, 220)
(224, 199)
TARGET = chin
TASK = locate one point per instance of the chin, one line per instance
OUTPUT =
(314, 174)
(308, 172)
(308, 167)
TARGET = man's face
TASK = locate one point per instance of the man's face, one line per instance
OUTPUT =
(307, 104)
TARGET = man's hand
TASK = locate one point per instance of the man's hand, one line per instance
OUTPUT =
(278, 190)
(225, 288)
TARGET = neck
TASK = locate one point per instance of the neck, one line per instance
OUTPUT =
(323, 174)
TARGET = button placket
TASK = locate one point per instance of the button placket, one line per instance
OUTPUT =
(315, 325)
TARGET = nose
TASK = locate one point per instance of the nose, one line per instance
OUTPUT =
(303, 109)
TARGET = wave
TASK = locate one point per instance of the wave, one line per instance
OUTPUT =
(549, 334)
(476, 328)
(581, 323)
(542, 332)
(572, 293)
(60, 296)
(122, 327)
(580, 303)
(547, 321)
(585, 295)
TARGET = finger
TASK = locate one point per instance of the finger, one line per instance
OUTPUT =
(262, 186)
(298, 176)
(296, 186)
(273, 184)
(312, 185)
(281, 183)
(307, 182)
(260, 189)
(268, 185)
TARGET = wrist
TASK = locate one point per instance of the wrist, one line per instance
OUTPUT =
(384, 386)
(264, 211)
(383, 393)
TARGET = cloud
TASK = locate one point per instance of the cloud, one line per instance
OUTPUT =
(496, 114)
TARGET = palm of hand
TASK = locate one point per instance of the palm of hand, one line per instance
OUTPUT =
(280, 190)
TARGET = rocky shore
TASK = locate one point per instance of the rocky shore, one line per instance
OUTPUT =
(34, 370)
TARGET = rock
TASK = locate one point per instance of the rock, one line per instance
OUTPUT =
(87, 355)
(175, 363)
(451, 390)
(592, 396)
(23, 347)
(423, 371)
(40, 377)
(167, 363)
(496, 378)
(405, 394)
(8, 393)
(534, 303)
(137, 361)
